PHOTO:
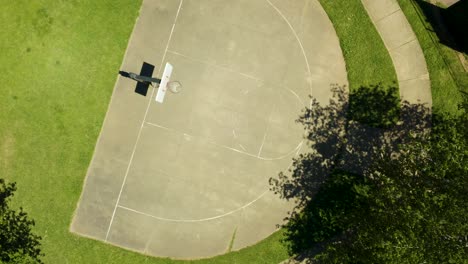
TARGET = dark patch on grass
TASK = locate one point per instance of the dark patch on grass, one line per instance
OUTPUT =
(231, 243)
(42, 22)
(376, 106)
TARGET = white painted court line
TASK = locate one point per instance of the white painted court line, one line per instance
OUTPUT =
(195, 220)
(300, 44)
(269, 120)
(243, 74)
(297, 38)
(163, 127)
(295, 155)
(263, 142)
(215, 65)
(297, 96)
(141, 127)
(303, 53)
(266, 131)
(242, 147)
(210, 141)
(255, 78)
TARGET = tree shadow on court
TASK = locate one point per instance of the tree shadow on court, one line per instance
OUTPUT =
(146, 70)
(344, 138)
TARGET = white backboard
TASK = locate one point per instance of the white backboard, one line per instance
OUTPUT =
(163, 85)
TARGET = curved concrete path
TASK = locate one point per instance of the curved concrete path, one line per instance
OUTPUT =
(404, 49)
(189, 178)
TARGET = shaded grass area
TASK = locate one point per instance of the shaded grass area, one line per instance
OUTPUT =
(59, 62)
(367, 60)
(376, 106)
(456, 21)
(445, 70)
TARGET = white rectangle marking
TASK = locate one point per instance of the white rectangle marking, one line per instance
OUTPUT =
(163, 85)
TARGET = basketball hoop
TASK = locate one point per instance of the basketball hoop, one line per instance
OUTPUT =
(174, 86)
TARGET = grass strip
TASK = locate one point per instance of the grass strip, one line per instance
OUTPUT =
(367, 60)
(445, 70)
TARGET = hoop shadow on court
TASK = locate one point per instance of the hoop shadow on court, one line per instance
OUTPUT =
(147, 71)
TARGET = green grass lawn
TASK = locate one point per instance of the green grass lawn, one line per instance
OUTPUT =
(59, 62)
(367, 60)
(445, 70)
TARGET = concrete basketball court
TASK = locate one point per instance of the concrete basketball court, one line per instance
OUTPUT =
(186, 178)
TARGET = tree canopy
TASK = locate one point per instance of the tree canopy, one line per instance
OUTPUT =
(17, 242)
(390, 195)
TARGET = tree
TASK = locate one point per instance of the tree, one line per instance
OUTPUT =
(401, 200)
(17, 242)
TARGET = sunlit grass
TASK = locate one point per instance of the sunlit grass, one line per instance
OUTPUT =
(367, 60)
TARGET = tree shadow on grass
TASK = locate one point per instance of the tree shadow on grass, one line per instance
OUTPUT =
(375, 106)
(343, 145)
